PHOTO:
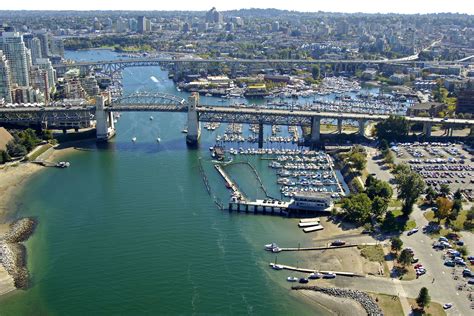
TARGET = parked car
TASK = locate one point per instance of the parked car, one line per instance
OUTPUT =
(470, 281)
(412, 231)
(467, 273)
(443, 239)
(449, 263)
(338, 243)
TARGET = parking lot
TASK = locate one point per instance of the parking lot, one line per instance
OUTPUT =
(439, 163)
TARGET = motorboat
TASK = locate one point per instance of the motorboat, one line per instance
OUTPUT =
(151, 118)
(277, 267)
(329, 275)
(158, 139)
(315, 275)
(292, 279)
(185, 130)
(270, 247)
(303, 280)
(276, 249)
(134, 139)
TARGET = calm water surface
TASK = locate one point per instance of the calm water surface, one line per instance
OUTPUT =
(131, 229)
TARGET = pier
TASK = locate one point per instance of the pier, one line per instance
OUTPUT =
(229, 183)
(297, 269)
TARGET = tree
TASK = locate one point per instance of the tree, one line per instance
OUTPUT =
(393, 128)
(315, 72)
(457, 205)
(370, 181)
(379, 206)
(389, 158)
(358, 160)
(4, 157)
(423, 298)
(396, 243)
(457, 195)
(401, 168)
(15, 149)
(405, 258)
(410, 185)
(383, 145)
(444, 189)
(430, 194)
(444, 208)
(470, 214)
(357, 208)
(379, 188)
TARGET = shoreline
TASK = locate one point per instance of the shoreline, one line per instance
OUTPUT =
(13, 178)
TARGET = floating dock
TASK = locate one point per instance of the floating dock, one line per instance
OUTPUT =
(297, 269)
(313, 229)
(309, 224)
(309, 220)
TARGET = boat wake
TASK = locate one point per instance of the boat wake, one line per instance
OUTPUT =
(153, 78)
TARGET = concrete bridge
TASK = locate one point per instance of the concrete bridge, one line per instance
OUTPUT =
(74, 117)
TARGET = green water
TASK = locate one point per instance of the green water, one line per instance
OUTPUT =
(131, 229)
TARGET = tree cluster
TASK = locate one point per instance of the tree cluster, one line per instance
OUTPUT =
(373, 202)
(410, 186)
(393, 128)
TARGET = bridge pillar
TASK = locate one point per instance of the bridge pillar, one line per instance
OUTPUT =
(362, 127)
(104, 120)
(427, 129)
(260, 135)
(315, 130)
(194, 129)
(339, 126)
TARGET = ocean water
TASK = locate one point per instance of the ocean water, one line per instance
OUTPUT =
(129, 228)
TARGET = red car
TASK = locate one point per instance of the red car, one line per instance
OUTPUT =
(419, 265)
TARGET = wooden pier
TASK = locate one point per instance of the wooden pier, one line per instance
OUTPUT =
(318, 248)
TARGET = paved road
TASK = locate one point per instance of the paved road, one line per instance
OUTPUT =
(443, 290)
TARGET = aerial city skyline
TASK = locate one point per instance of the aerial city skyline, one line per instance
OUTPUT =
(348, 6)
(187, 158)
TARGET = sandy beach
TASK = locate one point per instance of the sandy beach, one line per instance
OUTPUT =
(12, 178)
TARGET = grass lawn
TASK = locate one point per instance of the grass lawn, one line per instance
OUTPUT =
(410, 225)
(458, 224)
(389, 304)
(409, 275)
(376, 254)
(39, 151)
(395, 203)
(434, 309)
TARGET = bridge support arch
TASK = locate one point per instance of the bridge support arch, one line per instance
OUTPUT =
(260, 135)
(315, 130)
(339, 126)
(362, 124)
(427, 129)
(194, 129)
(105, 128)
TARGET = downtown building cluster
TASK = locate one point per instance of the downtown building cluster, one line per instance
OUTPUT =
(26, 69)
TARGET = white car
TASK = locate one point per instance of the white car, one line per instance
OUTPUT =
(447, 305)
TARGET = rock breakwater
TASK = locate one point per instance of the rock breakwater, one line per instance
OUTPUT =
(13, 252)
(362, 298)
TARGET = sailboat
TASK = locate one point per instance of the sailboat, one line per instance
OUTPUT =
(158, 139)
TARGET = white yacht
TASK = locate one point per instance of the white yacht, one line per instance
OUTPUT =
(292, 279)
(134, 139)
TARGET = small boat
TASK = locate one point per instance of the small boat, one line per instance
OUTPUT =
(276, 249)
(158, 139)
(269, 247)
(185, 130)
(151, 118)
(292, 279)
(277, 267)
(315, 275)
(211, 148)
(303, 280)
(134, 139)
(329, 275)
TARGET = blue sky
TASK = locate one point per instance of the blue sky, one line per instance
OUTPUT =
(369, 6)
